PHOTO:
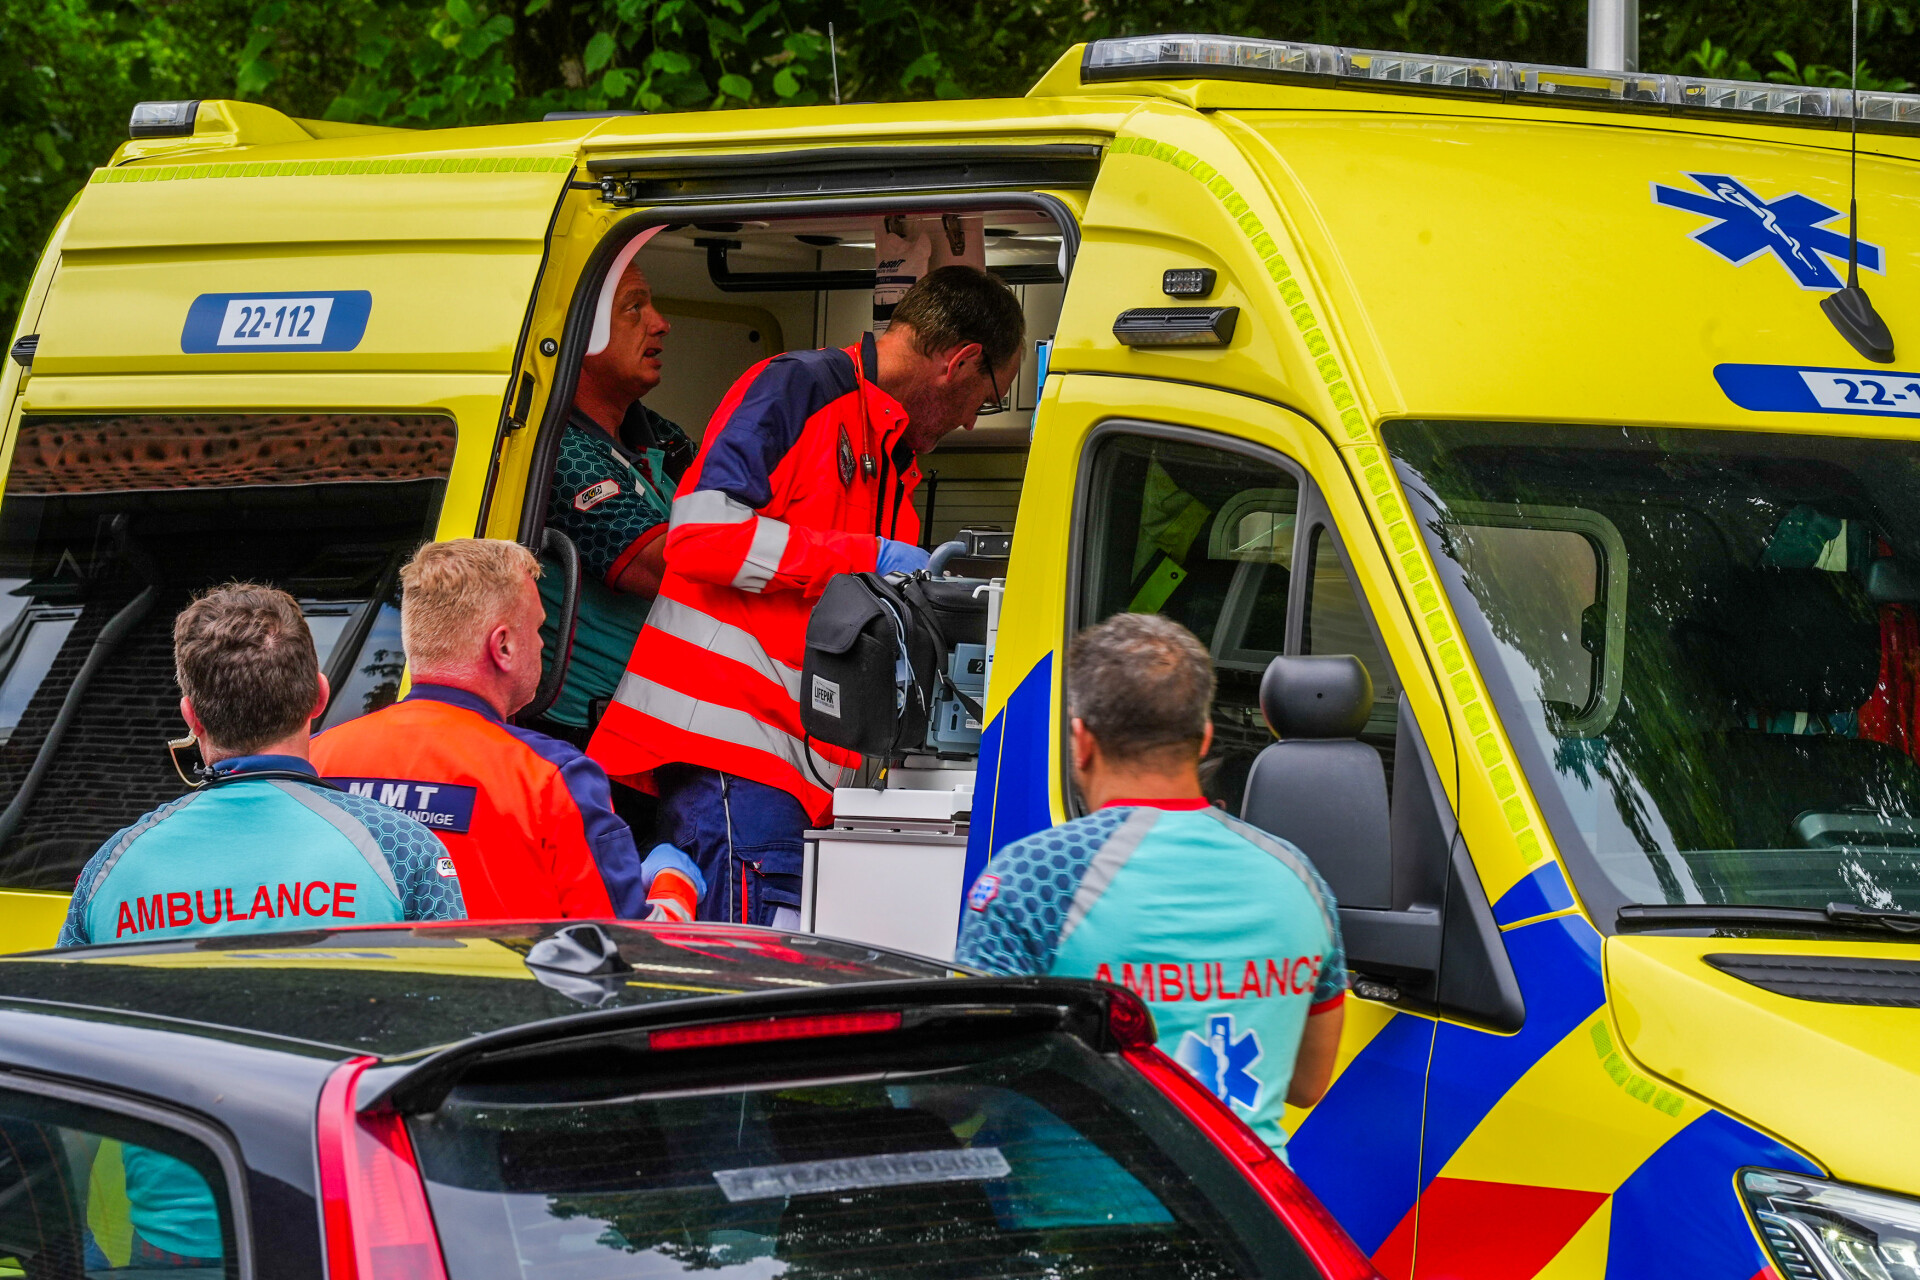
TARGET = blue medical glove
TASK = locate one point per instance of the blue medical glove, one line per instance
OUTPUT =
(899, 557)
(673, 884)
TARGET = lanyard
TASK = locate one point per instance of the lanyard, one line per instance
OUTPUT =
(867, 445)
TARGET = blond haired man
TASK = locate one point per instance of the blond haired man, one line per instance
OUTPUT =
(525, 816)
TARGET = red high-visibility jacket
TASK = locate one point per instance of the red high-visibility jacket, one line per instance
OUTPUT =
(803, 470)
(527, 818)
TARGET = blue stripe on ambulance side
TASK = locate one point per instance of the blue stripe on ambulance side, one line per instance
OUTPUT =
(1010, 797)
(1558, 964)
(1543, 891)
(1678, 1217)
(1359, 1149)
(986, 791)
(1368, 1127)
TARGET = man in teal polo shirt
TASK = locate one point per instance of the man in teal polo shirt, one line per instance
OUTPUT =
(1227, 933)
(611, 492)
(263, 845)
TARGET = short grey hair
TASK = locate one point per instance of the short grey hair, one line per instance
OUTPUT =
(1142, 684)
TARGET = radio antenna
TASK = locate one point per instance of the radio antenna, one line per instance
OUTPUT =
(1849, 309)
(833, 56)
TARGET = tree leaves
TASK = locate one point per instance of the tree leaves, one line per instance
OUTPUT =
(599, 52)
(74, 68)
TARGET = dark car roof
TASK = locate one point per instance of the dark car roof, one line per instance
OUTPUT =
(397, 990)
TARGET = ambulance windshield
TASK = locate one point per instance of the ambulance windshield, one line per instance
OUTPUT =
(108, 527)
(1705, 646)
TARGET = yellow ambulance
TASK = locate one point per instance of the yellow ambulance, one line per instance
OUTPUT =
(1510, 381)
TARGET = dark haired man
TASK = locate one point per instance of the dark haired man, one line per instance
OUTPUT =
(1228, 932)
(264, 844)
(807, 470)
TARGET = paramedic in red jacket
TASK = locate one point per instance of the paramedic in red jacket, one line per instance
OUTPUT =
(526, 817)
(807, 470)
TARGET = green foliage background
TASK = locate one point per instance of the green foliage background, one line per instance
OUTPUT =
(70, 70)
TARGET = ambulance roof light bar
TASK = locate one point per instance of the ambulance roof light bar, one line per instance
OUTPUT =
(1237, 58)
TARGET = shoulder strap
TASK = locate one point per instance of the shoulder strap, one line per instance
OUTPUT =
(915, 596)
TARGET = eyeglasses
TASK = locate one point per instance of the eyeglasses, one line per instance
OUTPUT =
(1002, 401)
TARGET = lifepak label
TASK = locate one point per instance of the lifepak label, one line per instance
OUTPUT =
(826, 697)
(276, 322)
(1200, 981)
(431, 804)
(595, 494)
(1783, 388)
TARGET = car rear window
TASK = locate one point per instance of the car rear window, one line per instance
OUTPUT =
(89, 1194)
(1035, 1158)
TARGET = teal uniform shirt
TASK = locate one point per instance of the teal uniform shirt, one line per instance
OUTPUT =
(1227, 933)
(248, 855)
(612, 499)
(252, 855)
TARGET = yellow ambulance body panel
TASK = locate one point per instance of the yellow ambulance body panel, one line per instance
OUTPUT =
(1526, 401)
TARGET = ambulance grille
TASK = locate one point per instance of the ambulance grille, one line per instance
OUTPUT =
(1893, 984)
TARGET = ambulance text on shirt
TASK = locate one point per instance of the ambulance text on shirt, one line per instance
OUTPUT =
(1227, 933)
(259, 854)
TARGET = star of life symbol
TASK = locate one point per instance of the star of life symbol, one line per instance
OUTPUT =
(1221, 1061)
(1792, 227)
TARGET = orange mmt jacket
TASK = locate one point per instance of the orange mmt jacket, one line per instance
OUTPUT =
(528, 818)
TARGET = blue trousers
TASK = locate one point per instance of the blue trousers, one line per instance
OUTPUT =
(744, 836)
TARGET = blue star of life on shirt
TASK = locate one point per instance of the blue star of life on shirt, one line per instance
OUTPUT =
(1791, 227)
(1221, 1061)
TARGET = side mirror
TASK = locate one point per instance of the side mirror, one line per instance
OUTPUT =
(1419, 932)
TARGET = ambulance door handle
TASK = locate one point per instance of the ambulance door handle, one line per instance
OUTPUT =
(557, 547)
(522, 402)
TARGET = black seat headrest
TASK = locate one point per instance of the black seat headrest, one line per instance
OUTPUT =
(1891, 581)
(1324, 696)
(1792, 640)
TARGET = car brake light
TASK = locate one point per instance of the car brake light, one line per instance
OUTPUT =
(1321, 1237)
(759, 1030)
(373, 1201)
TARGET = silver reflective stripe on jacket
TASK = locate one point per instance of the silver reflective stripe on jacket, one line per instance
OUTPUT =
(763, 557)
(724, 724)
(684, 622)
(708, 506)
(1106, 864)
(1290, 855)
(347, 825)
(132, 833)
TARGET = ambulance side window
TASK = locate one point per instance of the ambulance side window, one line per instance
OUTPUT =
(1205, 536)
(108, 526)
(1337, 621)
